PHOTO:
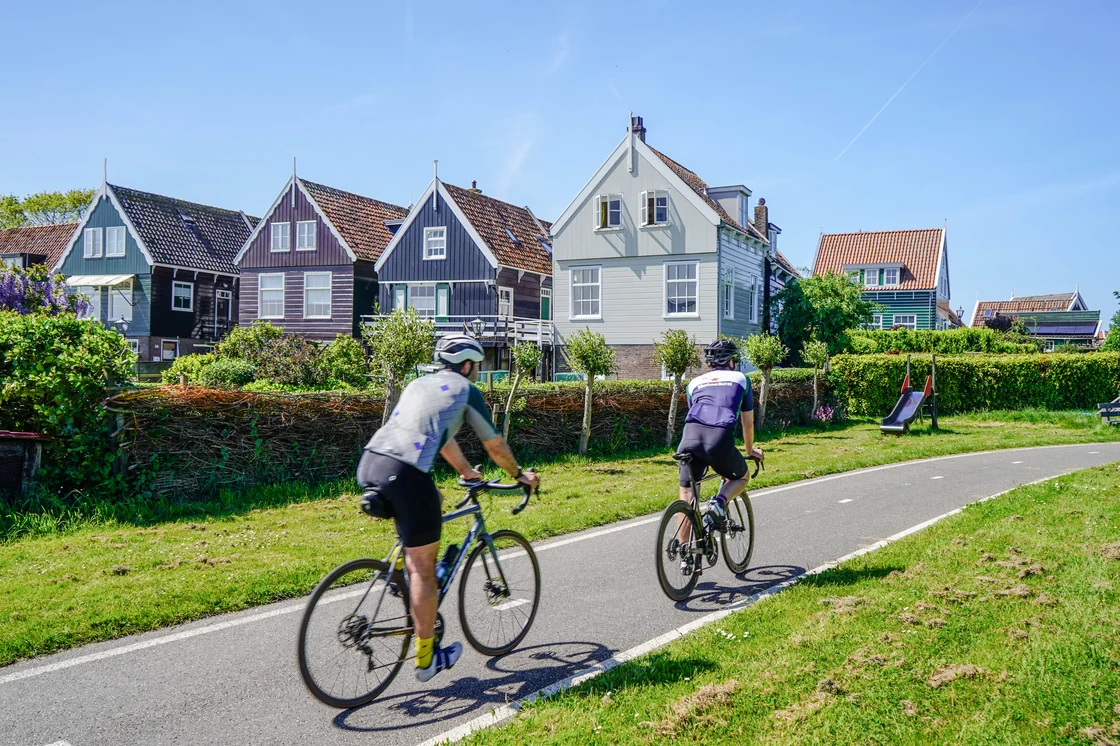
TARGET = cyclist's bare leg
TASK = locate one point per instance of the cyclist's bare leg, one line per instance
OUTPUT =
(733, 488)
(421, 565)
(684, 532)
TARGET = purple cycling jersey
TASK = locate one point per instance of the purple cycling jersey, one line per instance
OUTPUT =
(715, 399)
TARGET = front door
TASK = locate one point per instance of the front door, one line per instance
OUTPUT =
(169, 350)
(223, 312)
(400, 296)
(505, 303)
(546, 304)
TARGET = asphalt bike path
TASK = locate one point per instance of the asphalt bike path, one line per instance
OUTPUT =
(233, 679)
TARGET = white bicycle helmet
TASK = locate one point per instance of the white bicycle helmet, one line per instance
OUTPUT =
(456, 348)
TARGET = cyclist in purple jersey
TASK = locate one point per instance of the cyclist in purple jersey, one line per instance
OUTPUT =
(716, 402)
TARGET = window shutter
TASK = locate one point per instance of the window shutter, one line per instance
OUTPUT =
(645, 208)
(604, 203)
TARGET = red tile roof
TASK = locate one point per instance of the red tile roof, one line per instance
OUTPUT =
(918, 251)
(1026, 304)
(491, 217)
(696, 184)
(41, 240)
(359, 220)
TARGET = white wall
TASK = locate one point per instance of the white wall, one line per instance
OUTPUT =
(745, 257)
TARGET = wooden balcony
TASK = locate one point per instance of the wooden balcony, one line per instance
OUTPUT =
(495, 330)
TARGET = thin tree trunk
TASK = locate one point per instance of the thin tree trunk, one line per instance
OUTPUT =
(814, 390)
(673, 411)
(390, 399)
(509, 403)
(585, 431)
(764, 394)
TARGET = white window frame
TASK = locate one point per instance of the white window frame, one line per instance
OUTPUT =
(665, 291)
(176, 284)
(301, 244)
(261, 290)
(913, 325)
(328, 288)
(1048, 346)
(655, 195)
(502, 293)
(547, 293)
(607, 199)
(412, 296)
(134, 345)
(727, 295)
(887, 277)
(400, 293)
(220, 294)
(120, 299)
(443, 297)
(755, 299)
(876, 321)
(91, 238)
(869, 273)
(115, 248)
(598, 284)
(285, 237)
(174, 354)
(435, 248)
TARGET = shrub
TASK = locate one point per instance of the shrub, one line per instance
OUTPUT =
(764, 351)
(248, 342)
(587, 352)
(1112, 341)
(36, 291)
(344, 361)
(946, 342)
(397, 344)
(188, 365)
(227, 373)
(869, 384)
(526, 357)
(53, 374)
(676, 353)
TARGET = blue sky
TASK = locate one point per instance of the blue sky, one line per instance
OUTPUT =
(1009, 132)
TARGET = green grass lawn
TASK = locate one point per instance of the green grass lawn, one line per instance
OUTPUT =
(96, 581)
(1000, 625)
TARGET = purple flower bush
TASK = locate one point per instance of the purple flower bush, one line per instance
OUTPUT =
(34, 291)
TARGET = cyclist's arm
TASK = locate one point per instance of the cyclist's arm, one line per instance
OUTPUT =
(453, 454)
(502, 455)
(477, 414)
(747, 420)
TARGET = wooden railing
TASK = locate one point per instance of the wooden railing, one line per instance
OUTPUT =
(492, 329)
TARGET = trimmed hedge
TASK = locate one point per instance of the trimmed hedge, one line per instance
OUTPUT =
(946, 342)
(870, 384)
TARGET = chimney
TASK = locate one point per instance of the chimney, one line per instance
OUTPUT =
(638, 128)
(474, 187)
(762, 217)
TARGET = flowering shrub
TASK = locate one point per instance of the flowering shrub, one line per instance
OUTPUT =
(823, 414)
(35, 291)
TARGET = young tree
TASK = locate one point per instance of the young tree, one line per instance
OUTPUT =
(764, 351)
(44, 208)
(676, 352)
(35, 291)
(397, 344)
(526, 358)
(1000, 323)
(815, 352)
(587, 352)
(825, 306)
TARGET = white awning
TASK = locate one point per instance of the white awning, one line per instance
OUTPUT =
(97, 280)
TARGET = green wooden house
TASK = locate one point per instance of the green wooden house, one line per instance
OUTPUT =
(905, 272)
(1058, 319)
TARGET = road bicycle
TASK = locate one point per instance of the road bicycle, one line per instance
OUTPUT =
(355, 632)
(686, 538)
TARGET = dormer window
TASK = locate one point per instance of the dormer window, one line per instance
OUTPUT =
(890, 277)
(655, 207)
(608, 213)
(871, 278)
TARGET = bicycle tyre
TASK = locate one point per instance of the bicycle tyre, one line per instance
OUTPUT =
(325, 585)
(739, 511)
(669, 564)
(464, 584)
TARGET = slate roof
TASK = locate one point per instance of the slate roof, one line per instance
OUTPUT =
(786, 264)
(696, 184)
(918, 251)
(359, 220)
(185, 234)
(490, 217)
(38, 240)
(1025, 304)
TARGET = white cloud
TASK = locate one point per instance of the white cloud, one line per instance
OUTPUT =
(560, 57)
(511, 165)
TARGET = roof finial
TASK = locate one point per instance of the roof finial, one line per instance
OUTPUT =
(630, 136)
(435, 185)
(294, 186)
(104, 171)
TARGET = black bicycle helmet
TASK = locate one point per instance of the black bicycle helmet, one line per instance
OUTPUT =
(456, 348)
(721, 352)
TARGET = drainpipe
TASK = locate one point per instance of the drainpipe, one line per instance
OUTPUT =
(766, 273)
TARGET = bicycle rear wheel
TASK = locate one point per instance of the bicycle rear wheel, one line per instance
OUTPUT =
(676, 580)
(498, 602)
(738, 539)
(354, 634)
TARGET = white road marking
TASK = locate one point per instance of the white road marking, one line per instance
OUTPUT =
(1093, 453)
(506, 712)
(938, 477)
(512, 604)
(846, 500)
(292, 608)
(59, 743)
(1016, 462)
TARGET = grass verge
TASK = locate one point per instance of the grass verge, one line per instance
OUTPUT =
(97, 581)
(997, 625)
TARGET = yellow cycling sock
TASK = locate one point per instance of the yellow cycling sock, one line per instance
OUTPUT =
(424, 646)
(399, 564)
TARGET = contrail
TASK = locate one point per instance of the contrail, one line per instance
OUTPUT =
(903, 86)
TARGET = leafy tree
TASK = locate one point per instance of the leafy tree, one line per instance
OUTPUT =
(764, 351)
(44, 208)
(526, 358)
(34, 291)
(248, 342)
(1115, 322)
(676, 352)
(815, 352)
(826, 307)
(398, 343)
(344, 362)
(587, 352)
(1112, 341)
(1000, 323)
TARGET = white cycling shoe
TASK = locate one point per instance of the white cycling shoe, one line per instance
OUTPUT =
(442, 659)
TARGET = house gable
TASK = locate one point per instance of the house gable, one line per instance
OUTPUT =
(104, 213)
(329, 249)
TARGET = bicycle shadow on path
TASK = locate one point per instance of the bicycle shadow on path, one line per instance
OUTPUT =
(711, 596)
(518, 674)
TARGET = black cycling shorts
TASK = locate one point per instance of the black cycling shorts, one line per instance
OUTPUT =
(417, 504)
(710, 447)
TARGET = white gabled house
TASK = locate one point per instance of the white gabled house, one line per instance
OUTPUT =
(648, 246)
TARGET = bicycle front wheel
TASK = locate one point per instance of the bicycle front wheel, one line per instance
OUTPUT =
(678, 562)
(354, 634)
(499, 593)
(738, 539)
